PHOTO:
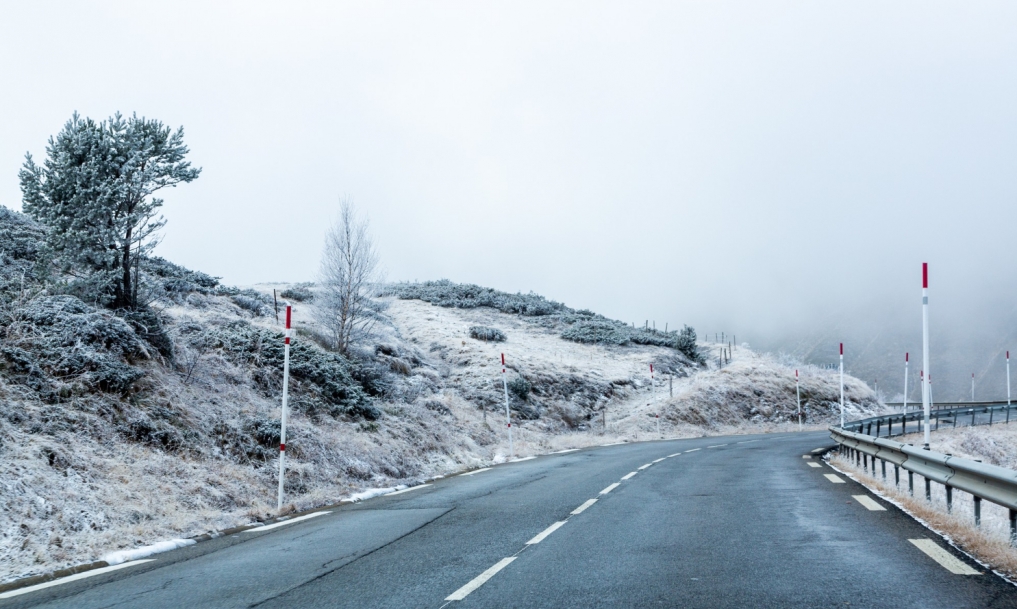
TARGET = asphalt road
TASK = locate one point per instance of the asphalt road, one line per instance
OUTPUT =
(739, 521)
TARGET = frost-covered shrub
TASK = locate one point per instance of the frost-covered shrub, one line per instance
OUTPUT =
(147, 325)
(22, 241)
(253, 301)
(173, 279)
(597, 331)
(325, 378)
(487, 334)
(520, 387)
(59, 339)
(444, 293)
(300, 292)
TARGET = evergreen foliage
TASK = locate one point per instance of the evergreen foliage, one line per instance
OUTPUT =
(300, 292)
(687, 345)
(94, 192)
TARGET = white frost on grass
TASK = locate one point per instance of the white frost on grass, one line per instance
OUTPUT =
(122, 556)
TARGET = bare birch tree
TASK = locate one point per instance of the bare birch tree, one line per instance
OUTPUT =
(348, 268)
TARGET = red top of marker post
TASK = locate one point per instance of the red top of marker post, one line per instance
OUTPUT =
(288, 318)
(842, 348)
(925, 274)
(502, 359)
(905, 358)
(651, 368)
(796, 374)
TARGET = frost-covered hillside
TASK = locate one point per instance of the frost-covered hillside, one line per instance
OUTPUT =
(120, 429)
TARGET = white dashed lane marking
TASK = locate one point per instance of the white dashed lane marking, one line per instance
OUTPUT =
(629, 475)
(944, 558)
(659, 460)
(869, 503)
(818, 450)
(692, 451)
(479, 580)
(716, 445)
(644, 466)
(610, 488)
(834, 478)
(674, 455)
(406, 490)
(284, 523)
(543, 534)
(814, 464)
(582, 508)
(476, 471)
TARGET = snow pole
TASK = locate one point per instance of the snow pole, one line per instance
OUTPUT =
(842, 385)
(285, 403)
(927, 384)
(508, 416)
(798, 393)
(652, 392)
(905, 383)
(972, 386)
(1007, 386)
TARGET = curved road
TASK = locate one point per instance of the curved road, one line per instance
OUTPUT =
(742, 521)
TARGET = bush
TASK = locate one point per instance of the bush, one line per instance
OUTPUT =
(253, 301)
(57, 339)
(488, 334)
(327, 378)
(300, 292)
(520, 387)
(686, 343)
(597, 331)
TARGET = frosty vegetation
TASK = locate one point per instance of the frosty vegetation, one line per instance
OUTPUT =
(581, 326)
(121, 427)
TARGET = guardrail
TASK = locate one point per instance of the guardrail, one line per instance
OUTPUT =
(950, 413)
(983, 481)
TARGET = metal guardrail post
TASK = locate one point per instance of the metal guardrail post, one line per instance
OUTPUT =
(1013, 525)
(949, 498)
(896, 476)
(911, 483)
(882, 463)
(928, 489)
(978, 510)
(990, 416)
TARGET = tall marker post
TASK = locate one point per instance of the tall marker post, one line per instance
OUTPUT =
(798, 393)
(905, 383)
(842, 385)
(927, 386)
(1007, 386)
(972, 386)
(508, 415)
(285, 403)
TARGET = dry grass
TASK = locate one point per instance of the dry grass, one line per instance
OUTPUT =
(989, 544)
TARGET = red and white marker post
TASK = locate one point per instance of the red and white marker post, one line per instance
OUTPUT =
(798, 393)
(842, 385)
(927, 384)
(905, 383)
(508, 416)
(653, 394)
(285, 403)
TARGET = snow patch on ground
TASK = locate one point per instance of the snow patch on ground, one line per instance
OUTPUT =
(122, 556)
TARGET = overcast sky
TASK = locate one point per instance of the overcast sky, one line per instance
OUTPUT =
(755, 167)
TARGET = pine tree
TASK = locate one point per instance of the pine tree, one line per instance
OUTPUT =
(95, 193)
(686, 343)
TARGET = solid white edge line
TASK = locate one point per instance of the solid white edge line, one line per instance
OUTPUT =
(476, 471)
(629, 475)
(406, 490)
(948, 561)
(522, 459)
(610, 488)
(813, 464)
(818, 450)
(642, 467)
(543, 534)
(479, 580)
(568, 450)
(276, 525)
(834, 478)
(692, 451)
(869, 504)
(582, 508)
(71, 578)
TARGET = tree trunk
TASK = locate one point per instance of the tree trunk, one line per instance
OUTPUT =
(125, 289)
